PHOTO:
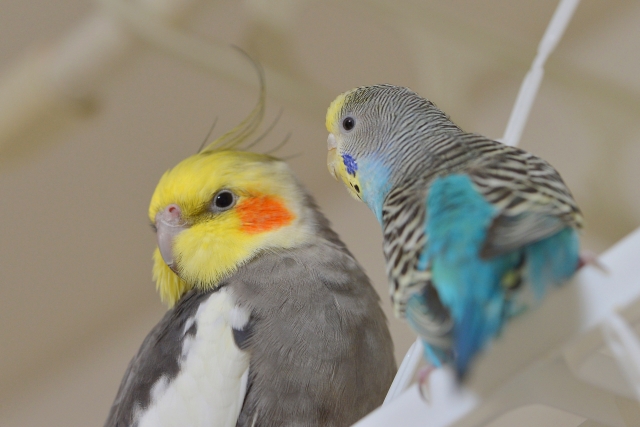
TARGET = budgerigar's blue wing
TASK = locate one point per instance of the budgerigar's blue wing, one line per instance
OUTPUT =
(480, 292)
(470, 287)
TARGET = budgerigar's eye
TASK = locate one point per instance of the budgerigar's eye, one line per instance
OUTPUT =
(223, 200)
(348, 123)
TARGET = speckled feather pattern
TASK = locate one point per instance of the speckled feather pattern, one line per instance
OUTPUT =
(452, 204)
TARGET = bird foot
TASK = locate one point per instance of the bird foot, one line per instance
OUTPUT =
(423, 381)
(591, 258)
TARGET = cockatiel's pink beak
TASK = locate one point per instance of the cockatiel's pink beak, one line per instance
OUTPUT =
(169, 224)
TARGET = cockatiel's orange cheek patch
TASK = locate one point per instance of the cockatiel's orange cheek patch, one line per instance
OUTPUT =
(260, 214)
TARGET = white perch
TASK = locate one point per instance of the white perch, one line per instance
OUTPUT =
(531, 83)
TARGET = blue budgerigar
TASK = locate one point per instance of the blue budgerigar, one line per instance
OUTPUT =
(474, 230)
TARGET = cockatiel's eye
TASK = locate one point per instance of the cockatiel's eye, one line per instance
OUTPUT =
(348, 123)
(223, 200)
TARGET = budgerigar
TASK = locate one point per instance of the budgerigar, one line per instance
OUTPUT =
(472, 227)
(272, 322)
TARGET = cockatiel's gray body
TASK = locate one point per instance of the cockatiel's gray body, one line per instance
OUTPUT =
(318, 348)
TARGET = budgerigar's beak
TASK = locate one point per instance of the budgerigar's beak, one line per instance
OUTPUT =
(332, 155)
(169, 223)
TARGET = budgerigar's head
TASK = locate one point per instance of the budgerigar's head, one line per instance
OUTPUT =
(367, 129)
(215, 211)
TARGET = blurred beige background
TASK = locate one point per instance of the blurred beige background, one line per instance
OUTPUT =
(75, 243)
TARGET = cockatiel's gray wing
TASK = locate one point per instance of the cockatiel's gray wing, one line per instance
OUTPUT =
(321, 353)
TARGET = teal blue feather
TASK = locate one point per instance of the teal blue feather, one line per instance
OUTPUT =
(373, 176)
(552, 260)
(472, 288)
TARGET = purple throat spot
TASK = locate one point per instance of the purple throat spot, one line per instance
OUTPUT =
(350, 164)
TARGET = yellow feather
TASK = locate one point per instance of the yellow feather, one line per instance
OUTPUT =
(168, 284)
(331, 121)
(214, 245)
(334, 158)
(236, 136)
(350, 181)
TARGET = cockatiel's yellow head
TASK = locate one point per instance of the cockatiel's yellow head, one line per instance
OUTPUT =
(215, 211)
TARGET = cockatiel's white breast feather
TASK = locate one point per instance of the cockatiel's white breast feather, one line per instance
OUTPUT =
(210, 386)
(189, 370)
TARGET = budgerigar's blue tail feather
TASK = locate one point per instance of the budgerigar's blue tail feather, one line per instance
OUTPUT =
(476, 327)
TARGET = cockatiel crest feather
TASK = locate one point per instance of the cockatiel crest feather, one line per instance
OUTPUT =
(214, 242)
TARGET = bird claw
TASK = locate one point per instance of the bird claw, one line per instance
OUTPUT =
(423, 381)
(591, 258)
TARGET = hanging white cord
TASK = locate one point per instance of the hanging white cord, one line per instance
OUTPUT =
(531, 83)
(519, 115)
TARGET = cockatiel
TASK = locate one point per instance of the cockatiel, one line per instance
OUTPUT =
(272, 322)
(470, 225)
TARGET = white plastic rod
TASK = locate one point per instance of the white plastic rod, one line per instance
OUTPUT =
(405, 371)
(54, 84)
(625, 347)
(531, 83)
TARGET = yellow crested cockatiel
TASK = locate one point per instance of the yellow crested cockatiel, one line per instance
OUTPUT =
(272, 322)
